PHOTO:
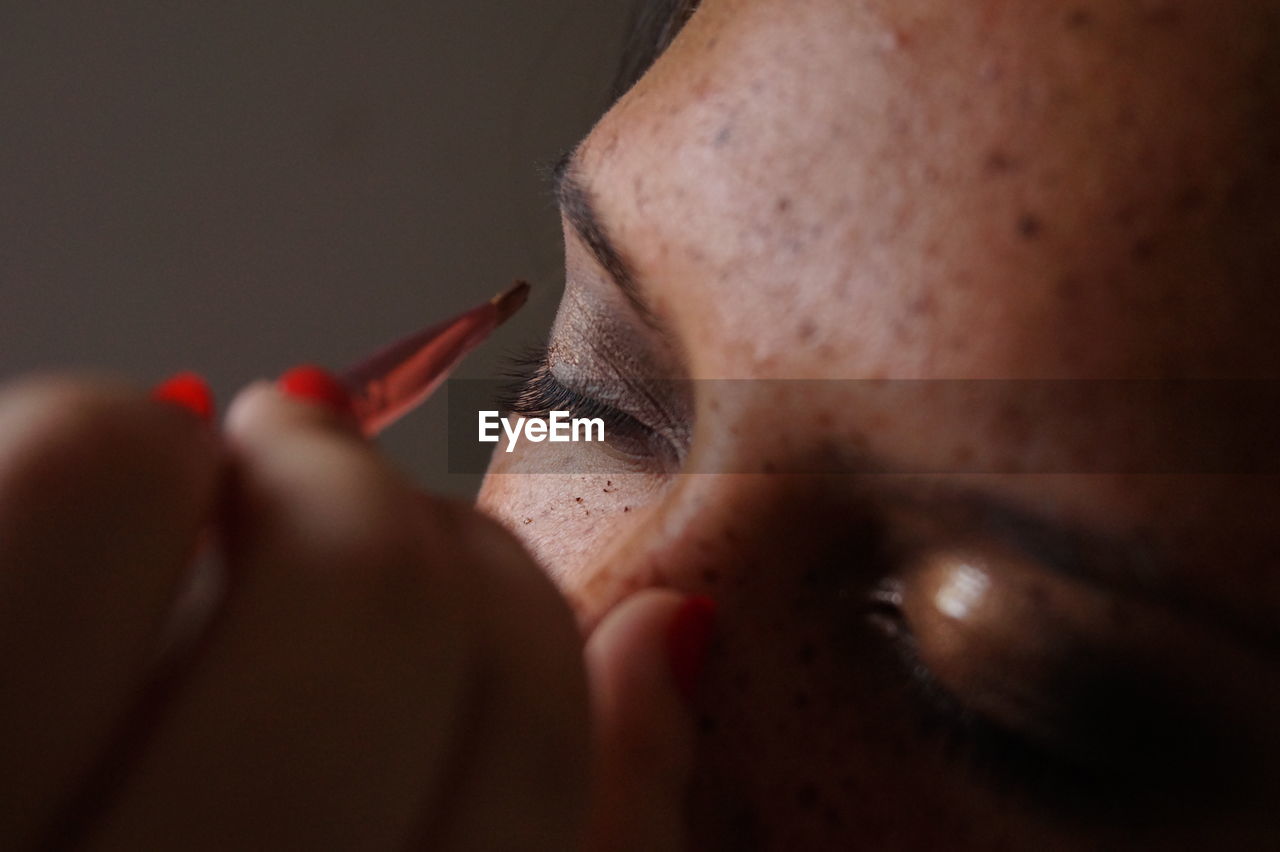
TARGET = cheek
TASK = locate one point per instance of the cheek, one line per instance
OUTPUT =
(806, 731)
(572, 523)
(797, 740)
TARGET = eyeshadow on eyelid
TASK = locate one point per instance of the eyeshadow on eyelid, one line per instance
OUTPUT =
(594, 351)
(592, 331)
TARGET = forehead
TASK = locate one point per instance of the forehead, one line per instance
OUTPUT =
(980, 192)
(1015, 191)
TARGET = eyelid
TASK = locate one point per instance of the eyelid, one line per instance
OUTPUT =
(579, 210)
(1097, 697)
(598, 352)
(537, 391)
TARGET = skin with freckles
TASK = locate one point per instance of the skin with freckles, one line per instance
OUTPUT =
(1079, 655)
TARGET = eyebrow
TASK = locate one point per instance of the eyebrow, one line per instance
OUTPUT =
(577, 204)
(1131, 564)
(1071, 548)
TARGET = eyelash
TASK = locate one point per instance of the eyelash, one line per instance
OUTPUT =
(1011, 763)
(997, 755)
(534, 391)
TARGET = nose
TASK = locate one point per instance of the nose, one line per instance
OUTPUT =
(791, 564)
(776, 547)
(757, 511)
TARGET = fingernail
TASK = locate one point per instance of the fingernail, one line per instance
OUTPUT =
(187, 390)
(688, 637)
(318, 386)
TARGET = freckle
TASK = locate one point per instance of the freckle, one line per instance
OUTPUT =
(998, 163)
(1161, 13)
(722, 137)
(1117, 617)
(637, 185)
(1078, 19)
(1062, 96)
(1142, 249)
(1029, 226)
(923, 305)
(806, 329)
(626, 508)
(807, 796)
(783, 204)
(1191, 198)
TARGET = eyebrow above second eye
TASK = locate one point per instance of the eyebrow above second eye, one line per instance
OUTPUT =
(1065, 547)
(576, 202)
(1116, 562)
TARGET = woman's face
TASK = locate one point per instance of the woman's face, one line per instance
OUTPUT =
(953, 613)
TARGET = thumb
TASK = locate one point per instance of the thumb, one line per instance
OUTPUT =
(643, 662)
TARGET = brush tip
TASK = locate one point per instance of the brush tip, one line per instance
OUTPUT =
(511, 300)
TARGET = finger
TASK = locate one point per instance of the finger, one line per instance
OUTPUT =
(328, 692)
(522, 776)
(102, 495)
(640, 660)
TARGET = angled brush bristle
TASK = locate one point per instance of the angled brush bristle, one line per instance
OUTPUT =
(511, 300)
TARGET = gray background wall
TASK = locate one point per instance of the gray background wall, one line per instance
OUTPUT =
(235, 187)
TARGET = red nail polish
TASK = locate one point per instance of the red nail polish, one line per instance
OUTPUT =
(688, 637)
(189, 391)
(319, 386)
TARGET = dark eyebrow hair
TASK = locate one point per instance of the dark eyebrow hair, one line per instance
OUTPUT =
(652, 26)
(1125, 563)
(577, 204)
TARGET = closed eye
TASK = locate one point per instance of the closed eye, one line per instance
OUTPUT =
(534, 392)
